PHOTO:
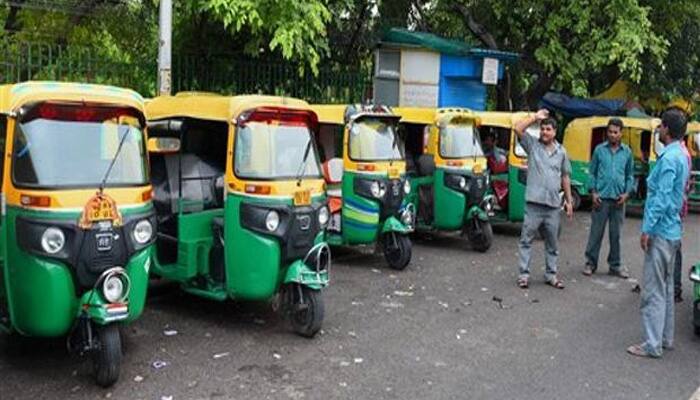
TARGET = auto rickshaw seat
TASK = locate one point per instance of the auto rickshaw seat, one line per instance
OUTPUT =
(199, 182)
(426, 164)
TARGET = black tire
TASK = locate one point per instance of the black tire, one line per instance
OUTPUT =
(482, 240)
(575, 199)
(107, 356)
(696, 328)
(397, 250)
(307, 321)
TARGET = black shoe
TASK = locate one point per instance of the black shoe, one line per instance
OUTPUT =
(678, 298)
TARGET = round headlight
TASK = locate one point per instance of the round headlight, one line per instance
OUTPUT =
(407, 187)
(272, 221)
(462, 182)
(143, 231)
(53, 240)
(323, 216)
(113, 289)
(375, 189)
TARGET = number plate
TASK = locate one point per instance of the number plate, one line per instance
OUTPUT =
(394, 173)
(302, 198)
(104, 241)
(101, 210)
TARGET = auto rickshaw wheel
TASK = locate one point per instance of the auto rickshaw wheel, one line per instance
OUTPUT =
(107, 355)
(481, 235)
(397, 250)
(307, 310)
(575, 200)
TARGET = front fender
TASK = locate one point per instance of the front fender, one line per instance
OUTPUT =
(101, 312)
(392, 224)
(300, 273)
(476, 212)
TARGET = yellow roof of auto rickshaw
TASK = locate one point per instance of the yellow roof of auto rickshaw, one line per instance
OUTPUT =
(416, 115)
(588, 123)
(330, 113)
(694, 126)
(215, 107)
(14, 96)
(502, 119)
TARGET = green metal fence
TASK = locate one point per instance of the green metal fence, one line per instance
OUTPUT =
(222, 74)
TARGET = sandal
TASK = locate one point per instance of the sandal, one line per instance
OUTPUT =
(638, 350)
(588, 270)
(523, 283)
(556, 283)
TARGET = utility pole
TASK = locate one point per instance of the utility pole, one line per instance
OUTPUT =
(165, 33)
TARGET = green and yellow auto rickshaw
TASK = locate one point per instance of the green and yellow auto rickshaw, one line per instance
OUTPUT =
(78, 222)
(365, 171)
(695, 279)
(582, 135)
(508, 177)
(240, 201)
(693, 144)
(449, 181)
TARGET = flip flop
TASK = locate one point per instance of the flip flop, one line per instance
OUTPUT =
(523, 283)
(637, 350)
(556, 283)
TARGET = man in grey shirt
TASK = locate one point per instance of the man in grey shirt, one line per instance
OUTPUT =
(548, 172)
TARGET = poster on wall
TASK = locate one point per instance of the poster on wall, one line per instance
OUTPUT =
(419, 95)
(420, 75)
(489, 72)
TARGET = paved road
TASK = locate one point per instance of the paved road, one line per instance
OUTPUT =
(433, 331)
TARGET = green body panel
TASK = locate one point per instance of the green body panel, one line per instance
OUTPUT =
(696, 285)
(40, 293)
(195, 240)
(360, 216)
(580, 177)
(392, 224)
(516, 197)
(449, 205)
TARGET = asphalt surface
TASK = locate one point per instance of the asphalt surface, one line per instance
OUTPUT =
(451, 326)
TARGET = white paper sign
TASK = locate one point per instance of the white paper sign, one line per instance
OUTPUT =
(419, 95)
(489, 73)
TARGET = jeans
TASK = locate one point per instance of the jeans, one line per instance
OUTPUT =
(546, 220)
(607, 211)
(678, 272)
(657, 295)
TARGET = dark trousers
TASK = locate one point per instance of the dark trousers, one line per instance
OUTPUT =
(608, 211)
(678, 272)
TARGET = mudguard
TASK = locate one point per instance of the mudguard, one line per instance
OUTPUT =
(300, 273)
(476, 212)
(101, 312)
(392, 224)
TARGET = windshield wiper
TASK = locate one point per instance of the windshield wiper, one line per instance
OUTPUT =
(101, 188)
(302, 167)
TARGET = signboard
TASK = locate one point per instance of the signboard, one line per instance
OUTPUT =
(489, 72)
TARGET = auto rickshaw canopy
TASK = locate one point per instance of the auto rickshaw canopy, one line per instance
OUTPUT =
(14, 96)
(578, 134)
(416, 115)
(213, 107)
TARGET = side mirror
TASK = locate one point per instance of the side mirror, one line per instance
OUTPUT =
(163, 145)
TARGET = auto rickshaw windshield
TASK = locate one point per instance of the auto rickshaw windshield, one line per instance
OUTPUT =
(459, 141)
(274, 151)
(659, 146)
(532, 130)
(375, 139)
(72, 147)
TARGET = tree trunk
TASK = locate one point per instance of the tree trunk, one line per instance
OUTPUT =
(12, 24)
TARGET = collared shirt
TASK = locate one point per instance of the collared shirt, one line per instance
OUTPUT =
(611, 172)
(544, 171)
(665, 189)
(686, 194)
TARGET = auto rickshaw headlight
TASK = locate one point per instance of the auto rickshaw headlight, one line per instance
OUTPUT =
(462, 182)
(53, 240)
(323, 216)
(272, 221)
(695, 275)
(143, 231)
(376, 189)
(407, 187)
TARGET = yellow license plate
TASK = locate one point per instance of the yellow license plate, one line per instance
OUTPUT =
(302, 198)
(101, 210)
(394, 173)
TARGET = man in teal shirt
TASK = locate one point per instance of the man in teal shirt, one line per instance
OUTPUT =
(611, 183)
(661, 237)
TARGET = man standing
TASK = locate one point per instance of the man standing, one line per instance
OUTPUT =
(548, 172)
(611, 183)
(661, 237)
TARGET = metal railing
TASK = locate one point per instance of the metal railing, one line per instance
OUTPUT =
(221, 73)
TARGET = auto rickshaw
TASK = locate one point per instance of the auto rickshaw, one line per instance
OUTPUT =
(365, 172)
(240, 201)
(695, 278)
(449, 180)
(582, 135)
(507, 183)
(78, 222)
(693, 144)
